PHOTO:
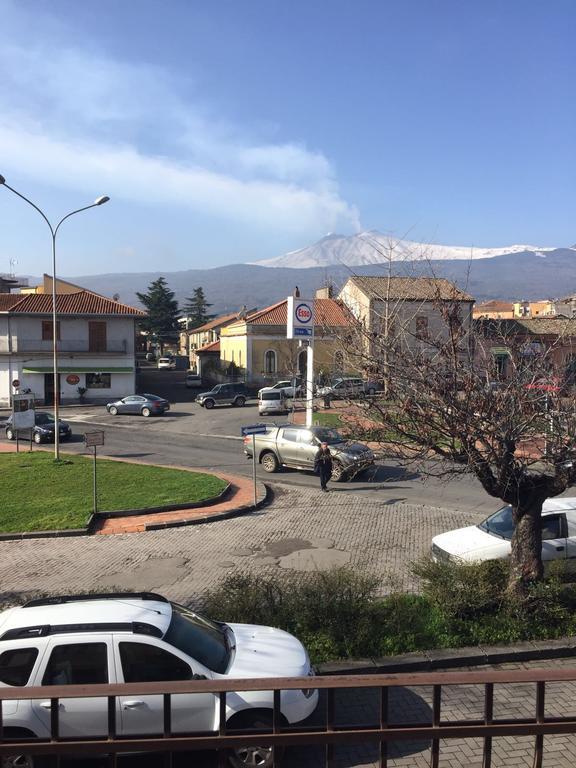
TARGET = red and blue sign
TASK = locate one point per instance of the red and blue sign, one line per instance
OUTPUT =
(300, 317)
(303, 313)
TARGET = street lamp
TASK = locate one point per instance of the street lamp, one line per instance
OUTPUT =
(54, 231)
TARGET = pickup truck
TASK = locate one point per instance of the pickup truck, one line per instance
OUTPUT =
(295, 446)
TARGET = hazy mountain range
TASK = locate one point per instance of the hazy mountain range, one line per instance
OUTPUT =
(516, 272)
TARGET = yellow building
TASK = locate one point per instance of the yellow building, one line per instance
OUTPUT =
(528, 309)
(197, 338)
(256, 348)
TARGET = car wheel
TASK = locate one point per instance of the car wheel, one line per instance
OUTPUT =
(10, 434)
(113, 410)
(23, 761)
(269, 462)
(146, 412)
(338, 474)
(240, 401)
(37, 438)
(255, 756)
(209, 404)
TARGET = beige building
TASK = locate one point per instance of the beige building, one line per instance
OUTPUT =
(494, 310)
(256, 348)
(193, 340)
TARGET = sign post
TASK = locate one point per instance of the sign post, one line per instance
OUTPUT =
(91, 440)
(23, 414)
(300, 325)
(254, 429)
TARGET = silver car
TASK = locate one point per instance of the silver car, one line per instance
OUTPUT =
(272, 401)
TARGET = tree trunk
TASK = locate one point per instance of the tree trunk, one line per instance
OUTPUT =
(526, 553)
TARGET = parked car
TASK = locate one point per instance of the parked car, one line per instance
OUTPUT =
(43, 430)
(296, 446)
(193, 380)
(347, 387)
(146, 405)
(490, 540)
(142, 637)
(223, 394)
(150, 356)
(272, 401)
(287, 387)
(166, 362)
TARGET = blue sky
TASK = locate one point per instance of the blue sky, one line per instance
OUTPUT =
(236, 130)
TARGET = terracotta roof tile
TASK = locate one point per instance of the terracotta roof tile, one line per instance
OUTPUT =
(537, 326)
(328, 312)
(80, 303)
(410, 288)
(215, 323)
(214, 346)
(7, 300)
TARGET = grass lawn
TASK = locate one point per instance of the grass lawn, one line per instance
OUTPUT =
(36, 494)
(323, 419)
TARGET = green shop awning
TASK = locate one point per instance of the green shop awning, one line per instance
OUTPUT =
(499, 350)
(77, 369)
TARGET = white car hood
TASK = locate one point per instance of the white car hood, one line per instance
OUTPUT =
(472, 543)
(267, 652)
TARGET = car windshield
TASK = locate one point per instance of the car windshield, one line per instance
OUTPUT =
(44, 418)
(500, 523)
(200, 638)
(329, 436)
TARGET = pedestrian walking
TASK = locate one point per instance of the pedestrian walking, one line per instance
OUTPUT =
(323, 465)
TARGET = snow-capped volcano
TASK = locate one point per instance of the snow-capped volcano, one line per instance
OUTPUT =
(375, 248)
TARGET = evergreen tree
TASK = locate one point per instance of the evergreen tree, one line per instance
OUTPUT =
(196, 309)
(161, 321)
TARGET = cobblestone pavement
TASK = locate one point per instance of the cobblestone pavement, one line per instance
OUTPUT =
(302, 529)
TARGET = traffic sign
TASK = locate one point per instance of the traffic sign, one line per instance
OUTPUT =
(94, 438)
(254, 429)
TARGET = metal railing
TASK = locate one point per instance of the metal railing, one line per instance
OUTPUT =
(327, 733)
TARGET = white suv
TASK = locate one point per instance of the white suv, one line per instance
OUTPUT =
(141, 637)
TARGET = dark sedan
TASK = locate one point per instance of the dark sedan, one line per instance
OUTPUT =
(43, 430)
(144, 405)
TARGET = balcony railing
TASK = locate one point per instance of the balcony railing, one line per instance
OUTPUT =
(112, 346)
(385, 731)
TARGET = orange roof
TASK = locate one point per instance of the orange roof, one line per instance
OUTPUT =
(80, 303)
(215, 323)
(327, 312)
(7, 300)
(214, 346)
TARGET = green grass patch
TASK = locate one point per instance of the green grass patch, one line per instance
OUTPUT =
(323, 419)
(39, 494)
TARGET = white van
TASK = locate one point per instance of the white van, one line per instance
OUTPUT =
(272, 401)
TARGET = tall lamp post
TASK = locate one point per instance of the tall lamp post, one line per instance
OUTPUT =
(54, 232)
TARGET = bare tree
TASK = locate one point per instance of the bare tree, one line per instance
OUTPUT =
(488, 398)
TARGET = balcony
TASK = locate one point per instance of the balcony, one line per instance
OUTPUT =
(68, 346)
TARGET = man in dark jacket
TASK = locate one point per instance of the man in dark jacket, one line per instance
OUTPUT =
(323, 465)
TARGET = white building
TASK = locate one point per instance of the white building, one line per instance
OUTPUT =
(95, 337)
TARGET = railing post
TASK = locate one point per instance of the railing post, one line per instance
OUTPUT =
(329, 753)
(222, 762)
(276, 720)
(488, 718)
(113, 757)
(436, 703)
(539, 739)
(384, 702)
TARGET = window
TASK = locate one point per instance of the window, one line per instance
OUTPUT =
(97, 336)
(552, 527)
(77, 664)
(421, 326)
(200, 638)
(339, 361)
(16, 666)
(98, 380)
(270, 362)
(290, 434)
(143, 663)
(307, 437)
(47, 330)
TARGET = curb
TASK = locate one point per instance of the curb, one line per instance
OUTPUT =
(449, 658)
(264, 496)
(209, 502)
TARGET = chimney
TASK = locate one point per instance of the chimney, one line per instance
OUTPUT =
(326, 292)
(296, 293)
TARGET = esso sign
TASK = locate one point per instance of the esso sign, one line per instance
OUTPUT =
(303, 313)
(73, 379)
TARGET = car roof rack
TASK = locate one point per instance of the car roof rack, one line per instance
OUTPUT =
(61, 599)
(43, 630)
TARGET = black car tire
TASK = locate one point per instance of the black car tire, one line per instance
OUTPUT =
(240, 401)
(249, 757)
(113, 410)
(146, 412)
(10, 434)
(338, 474)
(37, 438)
(24, 761)
(209, 403)
(269, 462)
